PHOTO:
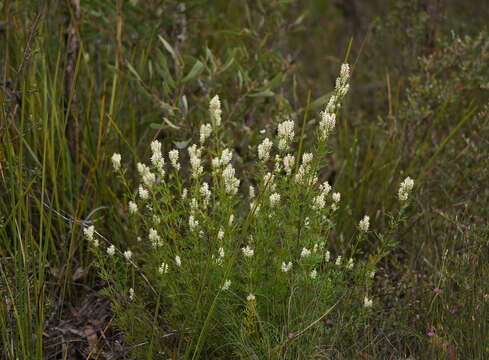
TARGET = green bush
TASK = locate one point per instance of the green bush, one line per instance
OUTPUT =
(217, 272)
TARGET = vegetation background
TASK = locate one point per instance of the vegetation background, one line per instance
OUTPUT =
(82, 79)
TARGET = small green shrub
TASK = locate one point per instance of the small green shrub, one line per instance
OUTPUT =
(218, 272)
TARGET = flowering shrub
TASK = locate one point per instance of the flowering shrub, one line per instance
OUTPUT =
(223, 266)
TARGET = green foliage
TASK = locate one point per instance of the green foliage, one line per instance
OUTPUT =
(209, 276)
(146, 70)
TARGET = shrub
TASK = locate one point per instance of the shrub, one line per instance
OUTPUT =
(218, 273)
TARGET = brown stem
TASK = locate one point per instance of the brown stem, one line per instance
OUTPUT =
(12, 90)
(71, 104)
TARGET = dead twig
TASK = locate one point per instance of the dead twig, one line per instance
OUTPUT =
(71, 103)
(12, 90)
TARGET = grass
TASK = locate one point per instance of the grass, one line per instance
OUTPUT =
(416, 108)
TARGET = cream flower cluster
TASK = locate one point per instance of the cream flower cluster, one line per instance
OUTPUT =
(205, 132)
(195, 160)
(264, 149)
(215, 110)
(89, 233)
(303, 175)
(231, 183)
(274, 199)
(173, 156)
(157, 157)
(116, 161)
(224, 160)
(405, 188)
(285, 134)
(289, 161)
(154, 238)
(319, 202)
(328, 116)
(247, 251)
(205, 192)
(286, 266)
(364, 224)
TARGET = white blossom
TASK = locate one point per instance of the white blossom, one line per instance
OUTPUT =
(342, 85)
(231, 220)
(331, 106)
(192, 222)
(307, 158)
(157, 160)
(328, 116)
(338, 260)
(149, 179)
(143, 193)
(205, 193)
(215, 162)
(231, 183)
(350, 264)
(173, 156)
(184, 193)
(205, 132)
(327, 256)
(154, 238)
(111, 250)
(128, 255)
(325, 188)
(364, 223)
(274, 199)
(133, 207)
(194, 205)
(336, 197)
(195, 161)
(405, 188)
(247, 251)
(142, 169)
(289, 161)
(131, 294)
(305, 253)
(220, 257)
(286, 266)
(285, 134)
(157, 157)
(226, 157)
(116, 161)
(88, 232)
(220, 234)
(367, 303)
(226, 285)
(327, 124)
(313, 274)
(215, 110)
(318, 202)
(178, 261)
(250, 297)
(155, 146)
(163, 268)
(300, 175)
(278, 164)
(264, 149)
(252, 192)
